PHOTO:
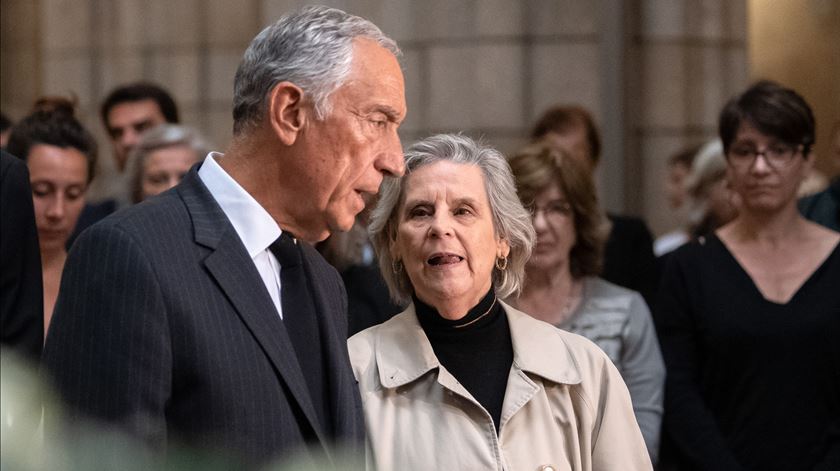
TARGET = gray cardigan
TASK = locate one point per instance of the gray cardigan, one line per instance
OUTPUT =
(618, 320)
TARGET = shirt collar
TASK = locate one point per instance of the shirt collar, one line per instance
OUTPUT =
(404, 353)
(255, 227)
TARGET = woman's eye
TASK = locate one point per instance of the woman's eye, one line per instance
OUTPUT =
(418, 212)
(463, 211)
(742, 151)
(156, 179)
(40, 190)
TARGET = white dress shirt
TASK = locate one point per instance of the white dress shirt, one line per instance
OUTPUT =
(256, 228)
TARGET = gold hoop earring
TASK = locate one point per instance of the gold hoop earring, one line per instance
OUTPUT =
(396, 267)
(501, 263)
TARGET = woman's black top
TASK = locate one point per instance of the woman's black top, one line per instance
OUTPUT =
(751, 384)
(476, 349)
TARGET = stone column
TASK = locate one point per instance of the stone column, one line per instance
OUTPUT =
(687, 57)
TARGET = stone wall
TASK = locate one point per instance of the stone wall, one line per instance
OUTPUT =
(654, 72)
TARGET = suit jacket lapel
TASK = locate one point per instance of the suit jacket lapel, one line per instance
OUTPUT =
(234, 271)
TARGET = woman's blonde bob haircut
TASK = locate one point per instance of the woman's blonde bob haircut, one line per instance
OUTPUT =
(511, 221)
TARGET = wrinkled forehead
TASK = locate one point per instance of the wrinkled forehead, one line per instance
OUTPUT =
(445, 181)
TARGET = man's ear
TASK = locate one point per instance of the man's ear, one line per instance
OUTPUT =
(286, 111)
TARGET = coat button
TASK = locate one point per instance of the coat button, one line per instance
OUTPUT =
(546, 467)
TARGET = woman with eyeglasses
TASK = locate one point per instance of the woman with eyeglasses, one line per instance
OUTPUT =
(749, 317)
(562, 286)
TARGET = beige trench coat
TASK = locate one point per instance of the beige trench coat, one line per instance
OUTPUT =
(565, 404)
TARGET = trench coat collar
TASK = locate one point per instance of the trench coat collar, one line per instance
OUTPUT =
(404, 353)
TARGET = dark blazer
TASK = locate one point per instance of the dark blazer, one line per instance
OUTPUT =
(823, 207)
(164, 327)
(628, 257)
(369, 303)
(21, 285)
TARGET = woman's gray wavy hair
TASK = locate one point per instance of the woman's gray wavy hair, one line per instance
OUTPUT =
(312, 48)
(511, 221)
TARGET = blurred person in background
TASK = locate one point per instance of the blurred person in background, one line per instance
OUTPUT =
(628, 254)
(824, 207)
(131, 109)
(461, 380)
(562, 286)
(161, 158)
(127, 112)
(61, 156)
(21, 311)
(352, 254)
(749, 316)
(5, 129)
(679, 166)
(814, 182)
(710, 202)
(21, 286)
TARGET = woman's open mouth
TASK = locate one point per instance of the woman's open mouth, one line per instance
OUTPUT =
(444, 259)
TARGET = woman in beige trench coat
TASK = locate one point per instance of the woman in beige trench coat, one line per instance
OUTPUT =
(461, 380)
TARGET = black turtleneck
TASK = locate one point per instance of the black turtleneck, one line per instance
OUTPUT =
(476, 349)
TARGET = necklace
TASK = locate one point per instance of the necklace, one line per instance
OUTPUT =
(479, 317)
(567, 308)
(572, 300)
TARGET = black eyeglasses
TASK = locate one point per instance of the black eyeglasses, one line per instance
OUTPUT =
(552, 210)
(777, 156)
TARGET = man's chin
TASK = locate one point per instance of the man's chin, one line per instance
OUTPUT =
(342, 223)
(121, 161)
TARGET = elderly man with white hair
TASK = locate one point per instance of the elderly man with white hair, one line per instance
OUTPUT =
(203, 317)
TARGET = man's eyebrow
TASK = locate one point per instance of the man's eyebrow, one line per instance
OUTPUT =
(388, 111)
(144, 122)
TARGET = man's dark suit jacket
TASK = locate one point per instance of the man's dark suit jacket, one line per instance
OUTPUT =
(21, 286)
(91, 214)
(164, 327)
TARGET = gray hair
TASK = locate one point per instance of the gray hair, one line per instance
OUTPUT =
(511, 220)
(312, 48)
(708, 166)
(159, 137)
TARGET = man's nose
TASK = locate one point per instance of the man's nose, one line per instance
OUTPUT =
(391, 161)
(129, 138)
(172, 181)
